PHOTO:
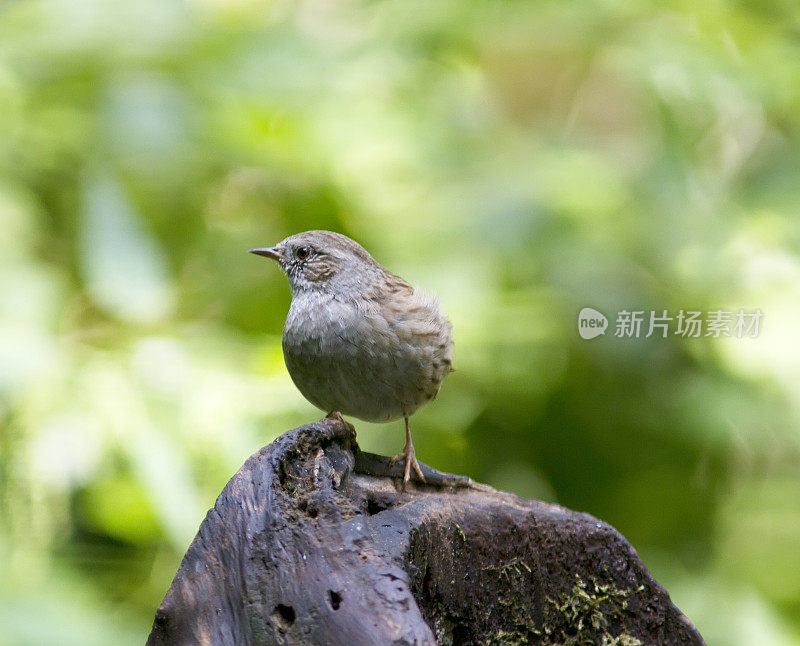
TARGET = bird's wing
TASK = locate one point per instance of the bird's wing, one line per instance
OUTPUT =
(416, 317)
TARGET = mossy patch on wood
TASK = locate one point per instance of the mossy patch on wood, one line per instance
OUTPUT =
(581, 618)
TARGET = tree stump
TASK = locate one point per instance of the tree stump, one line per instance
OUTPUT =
(315, 542)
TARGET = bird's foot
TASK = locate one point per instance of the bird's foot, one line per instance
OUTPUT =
(407, 454)
(335, 414)
(380, 467)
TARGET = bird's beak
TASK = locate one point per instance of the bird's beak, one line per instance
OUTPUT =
(269, 252)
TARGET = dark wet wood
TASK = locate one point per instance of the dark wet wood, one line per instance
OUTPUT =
(316, 542)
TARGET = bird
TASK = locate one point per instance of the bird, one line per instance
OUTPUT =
(359, 340)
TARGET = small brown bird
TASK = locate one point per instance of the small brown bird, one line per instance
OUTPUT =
(358, 339)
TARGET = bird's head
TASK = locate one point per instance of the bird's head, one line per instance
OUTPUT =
(323, 261)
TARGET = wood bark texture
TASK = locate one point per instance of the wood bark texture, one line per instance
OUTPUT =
(314, 542)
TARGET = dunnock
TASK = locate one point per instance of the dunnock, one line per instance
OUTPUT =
(359, 340)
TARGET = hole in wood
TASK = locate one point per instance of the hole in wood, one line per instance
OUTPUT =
(460, 635)
(375, 506)
(285, 613)
(335, 599)
(162, 617)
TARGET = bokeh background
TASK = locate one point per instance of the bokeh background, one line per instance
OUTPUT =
(522, 159)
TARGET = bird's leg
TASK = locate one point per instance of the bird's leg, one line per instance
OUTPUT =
(407, 454)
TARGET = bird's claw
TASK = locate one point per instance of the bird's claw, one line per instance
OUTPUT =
(336, 415)
(407, 454)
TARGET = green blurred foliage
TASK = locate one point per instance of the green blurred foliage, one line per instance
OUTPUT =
(522, 159)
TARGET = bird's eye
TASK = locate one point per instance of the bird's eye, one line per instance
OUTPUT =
(303, 252)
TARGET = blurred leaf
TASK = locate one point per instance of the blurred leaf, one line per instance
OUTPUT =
(760, 532)
(119, 507)
(124, 268)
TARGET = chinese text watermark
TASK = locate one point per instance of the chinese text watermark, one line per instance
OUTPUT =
(635, 324)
